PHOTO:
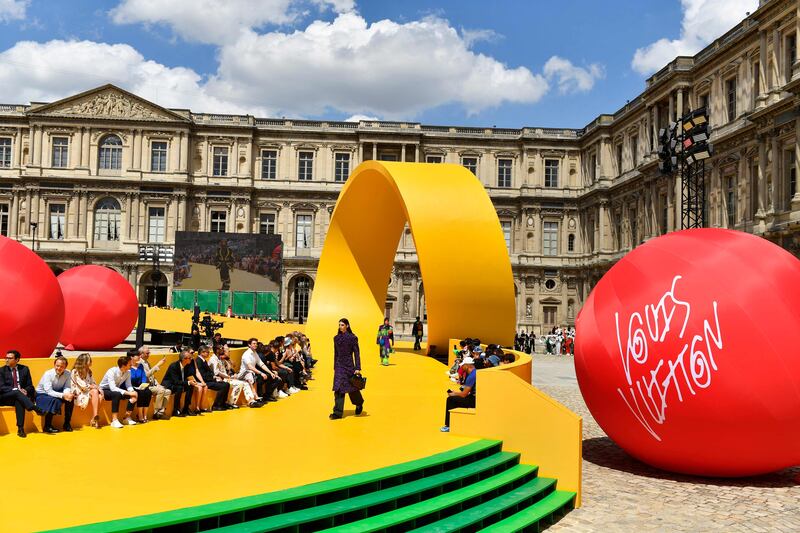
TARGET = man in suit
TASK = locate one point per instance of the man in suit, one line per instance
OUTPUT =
(16, 388)
(220, 387)
(176, 379)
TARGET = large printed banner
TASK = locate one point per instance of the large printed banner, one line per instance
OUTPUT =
(686, 353)
(227, 261)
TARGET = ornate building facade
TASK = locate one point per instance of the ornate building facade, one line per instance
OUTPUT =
(91, 178)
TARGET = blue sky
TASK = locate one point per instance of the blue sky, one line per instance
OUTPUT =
(504, 63)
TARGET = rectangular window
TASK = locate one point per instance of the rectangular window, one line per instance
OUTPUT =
(551, 172)
(4, 216)
(471, 164)
(619, 158)
(269, 164)
(220, 161)
(705, 101)
(57, 221)
(60, 152)
(388, 157)
(549, 314)
(341, 167)
(266, 223)
(506, 225)
(730, 91)
(433, 159)
(156, 221)
(593, 168)
(304, 233)
(5, 152)
(504, 172)
(158, 156)
(219, 221)
(791, 54)
(305, 166)
(634, 151)
(550, 239)
(730, 199)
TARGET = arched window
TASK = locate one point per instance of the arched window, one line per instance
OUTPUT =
(107, 215)
(111, 153)
(302, 290)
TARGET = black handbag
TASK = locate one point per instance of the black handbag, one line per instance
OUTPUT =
(358, 382)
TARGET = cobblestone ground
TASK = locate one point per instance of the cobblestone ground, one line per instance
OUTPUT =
(622, 494)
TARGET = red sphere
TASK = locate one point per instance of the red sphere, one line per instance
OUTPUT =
(687, 353)
(32, 313)
(101, 307)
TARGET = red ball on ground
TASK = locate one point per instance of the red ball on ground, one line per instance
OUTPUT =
(32, 313)
(101, 307)
(687, 353)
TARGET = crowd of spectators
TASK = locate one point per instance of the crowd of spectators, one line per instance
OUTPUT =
(559, 341)
(269, 371)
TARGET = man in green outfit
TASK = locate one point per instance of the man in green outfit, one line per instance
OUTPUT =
(385, 341)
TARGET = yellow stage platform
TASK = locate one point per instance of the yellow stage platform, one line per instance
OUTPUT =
(108, 474)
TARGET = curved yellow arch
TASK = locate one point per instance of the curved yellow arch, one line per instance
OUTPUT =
(463, 259)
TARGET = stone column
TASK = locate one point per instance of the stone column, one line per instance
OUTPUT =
(671, 108)
(136, 141)
(763, 80)
(184, 163)
(796, 197)
(39, 149)
(233, 162)
(601, 223)
(128, 236)
(72, 217)
(87, 136)
(796, 64)
(777, 62)
(141, 207)
(776, 175)
(374, 151)
(14, 214)
(18, 148)
(77, 148)
(360, 152)
(175, 154)
(181, 220)
(403, 152)
(83, 203)
(654, 126)
(416, 153)
(762, 181)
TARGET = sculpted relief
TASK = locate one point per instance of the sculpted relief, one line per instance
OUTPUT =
(109, 105)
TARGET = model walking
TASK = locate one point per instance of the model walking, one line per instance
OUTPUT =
(385, 341)
(346, 363)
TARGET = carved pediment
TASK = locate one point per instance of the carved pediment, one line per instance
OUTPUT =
(107, 102)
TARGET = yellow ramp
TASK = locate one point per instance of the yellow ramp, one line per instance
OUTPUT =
(463, 259)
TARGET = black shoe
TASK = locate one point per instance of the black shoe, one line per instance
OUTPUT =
(50, 429)
(192, 413)
(303, 387)
(229, 406)
(217, 408)
(359, 409)
(256, 405)
(21, 433)
(67, 428)
(205, 411)
(156, 416)
(334, 416)
(179, 413)
(38, 411)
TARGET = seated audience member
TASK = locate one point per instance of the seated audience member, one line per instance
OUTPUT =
(176, 379)
(268, 356)
(53, 390)
(159, 392)
(222, 367)
(199, 386)
(218, 340)
(496, 356)
(463, 398)
(298, 360)
(290, 360)
(141, 383)
(508, 359)
(207, 376)
(178, 347)
(16, 388)
(85, 387)
(256, 373)
(116, 384)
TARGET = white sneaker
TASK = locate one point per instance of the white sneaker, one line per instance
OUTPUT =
(282, 394)
(294, 390)
(130, 421)
(116, 424)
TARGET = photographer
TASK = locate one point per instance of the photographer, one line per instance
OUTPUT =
(463, 398)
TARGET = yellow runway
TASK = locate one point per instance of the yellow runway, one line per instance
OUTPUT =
(107, 474)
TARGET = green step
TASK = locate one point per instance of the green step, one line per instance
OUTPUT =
(404, 517)
(510, 501)
(552, 506)
(239, 510)
(383, 500)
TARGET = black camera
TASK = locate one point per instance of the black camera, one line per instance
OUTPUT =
(210, 325)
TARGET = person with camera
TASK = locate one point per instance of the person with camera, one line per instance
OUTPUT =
(115, 385)
(464, 397)
(346, 364)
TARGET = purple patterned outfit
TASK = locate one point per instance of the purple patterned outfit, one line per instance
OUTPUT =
(345, 351)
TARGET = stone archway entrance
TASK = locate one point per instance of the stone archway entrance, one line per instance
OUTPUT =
(153, 288)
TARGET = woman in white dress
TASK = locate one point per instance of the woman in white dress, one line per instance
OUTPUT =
(84, 386)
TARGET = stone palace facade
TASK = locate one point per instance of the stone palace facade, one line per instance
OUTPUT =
(92, 177)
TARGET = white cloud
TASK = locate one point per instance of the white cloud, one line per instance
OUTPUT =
(569, 78)
(359, 118)
(13, 9)
(44, 72)
(385, 68)
(703, 21)
(216, 21)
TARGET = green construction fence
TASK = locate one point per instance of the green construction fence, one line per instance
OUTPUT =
(243, 303)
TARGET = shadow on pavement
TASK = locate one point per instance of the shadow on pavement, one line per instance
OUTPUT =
(602, 451)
